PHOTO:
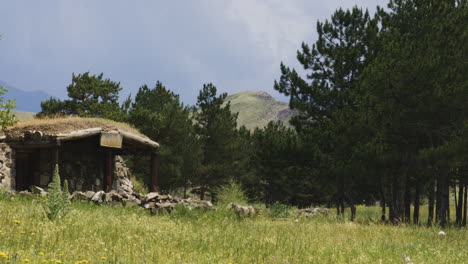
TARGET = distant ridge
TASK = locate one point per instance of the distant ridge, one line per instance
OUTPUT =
(258, 108)
(29, 101)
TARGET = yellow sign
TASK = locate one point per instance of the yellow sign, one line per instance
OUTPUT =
(111, 140)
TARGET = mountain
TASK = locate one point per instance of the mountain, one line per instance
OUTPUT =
(257, 109)
(29, 101)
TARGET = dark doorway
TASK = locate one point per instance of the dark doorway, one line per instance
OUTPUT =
(27, 167)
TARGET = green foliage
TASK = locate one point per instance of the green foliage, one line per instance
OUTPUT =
(278, 210)
(138, 184)
(57, 203)
(216, 129)
(231, 193)
(7, 117)
(90, 96)
(159, 114)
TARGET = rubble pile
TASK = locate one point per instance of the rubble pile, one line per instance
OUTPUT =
(152, 201)
(312, 211)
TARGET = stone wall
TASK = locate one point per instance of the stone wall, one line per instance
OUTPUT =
(122, 176)
(7, 167)
(80, 163)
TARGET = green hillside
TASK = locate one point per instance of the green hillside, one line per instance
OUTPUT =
(24, 116)
(257, 108)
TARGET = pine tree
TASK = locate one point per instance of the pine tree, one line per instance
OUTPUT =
(216, 128)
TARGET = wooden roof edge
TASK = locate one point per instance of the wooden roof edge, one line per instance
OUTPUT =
(78, 134)
(142, 140)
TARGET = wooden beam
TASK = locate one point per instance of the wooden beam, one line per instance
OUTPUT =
(154, 172)
(55, 157)
(144, 141)
(33, 144)
(79, 134)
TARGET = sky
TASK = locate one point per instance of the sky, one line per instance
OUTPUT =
(237, 45)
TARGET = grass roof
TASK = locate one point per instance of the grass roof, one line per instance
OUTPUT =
(54, 126)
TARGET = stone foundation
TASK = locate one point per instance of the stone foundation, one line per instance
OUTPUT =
(81, 164)
(7, 167)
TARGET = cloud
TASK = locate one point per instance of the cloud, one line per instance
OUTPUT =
(237, 44)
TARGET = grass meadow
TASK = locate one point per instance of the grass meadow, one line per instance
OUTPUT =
(102, 234)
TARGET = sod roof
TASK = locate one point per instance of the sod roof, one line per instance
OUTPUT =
(61, 127)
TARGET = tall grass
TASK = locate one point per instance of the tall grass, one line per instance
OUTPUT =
(100, 234)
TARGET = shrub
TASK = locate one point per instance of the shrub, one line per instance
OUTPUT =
(231, 193)
(138, 185)
(278, 210)
(57, 204)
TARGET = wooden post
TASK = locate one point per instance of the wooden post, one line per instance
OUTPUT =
(55, 157)
(108, 171)
(154, 172)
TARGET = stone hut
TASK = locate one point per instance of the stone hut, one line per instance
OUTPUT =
(87, 151)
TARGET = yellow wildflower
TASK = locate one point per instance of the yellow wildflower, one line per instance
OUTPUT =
(103, 258)
(33, 234)
(3, 255)
(26, 260)
(17, 222)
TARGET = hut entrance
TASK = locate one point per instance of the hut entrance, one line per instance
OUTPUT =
(27, 169)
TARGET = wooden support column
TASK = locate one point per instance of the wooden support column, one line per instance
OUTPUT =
(55, 157)
(154, 172)
(108, 170)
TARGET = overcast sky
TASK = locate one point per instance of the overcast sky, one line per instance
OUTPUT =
(236, 44)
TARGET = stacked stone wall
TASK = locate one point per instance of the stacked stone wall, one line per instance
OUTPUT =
(7, 167)
(81, 164)
(122, 176)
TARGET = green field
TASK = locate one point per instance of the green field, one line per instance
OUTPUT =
(23, 116)
(102, 234)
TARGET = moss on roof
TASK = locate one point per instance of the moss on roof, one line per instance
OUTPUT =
(54, 126)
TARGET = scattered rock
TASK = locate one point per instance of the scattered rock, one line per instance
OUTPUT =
(25, 193)
(38, 191)
(242, 210)
(78, 196)
(312, 211)
(98, 197)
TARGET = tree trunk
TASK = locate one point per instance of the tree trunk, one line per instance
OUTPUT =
(443, 195)
(466, 205)
(416, 204)
(430, 215)
(459, 203)
(382, 201)
(202, 193)
(399, 195)
(407, 210)
(350, 202)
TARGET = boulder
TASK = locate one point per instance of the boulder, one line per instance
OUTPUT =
(151, 197)
(38, 191)
(242, 210)
(89, 195)
(112, 196)
(98, 197)
(79, 196)
(312, 211)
